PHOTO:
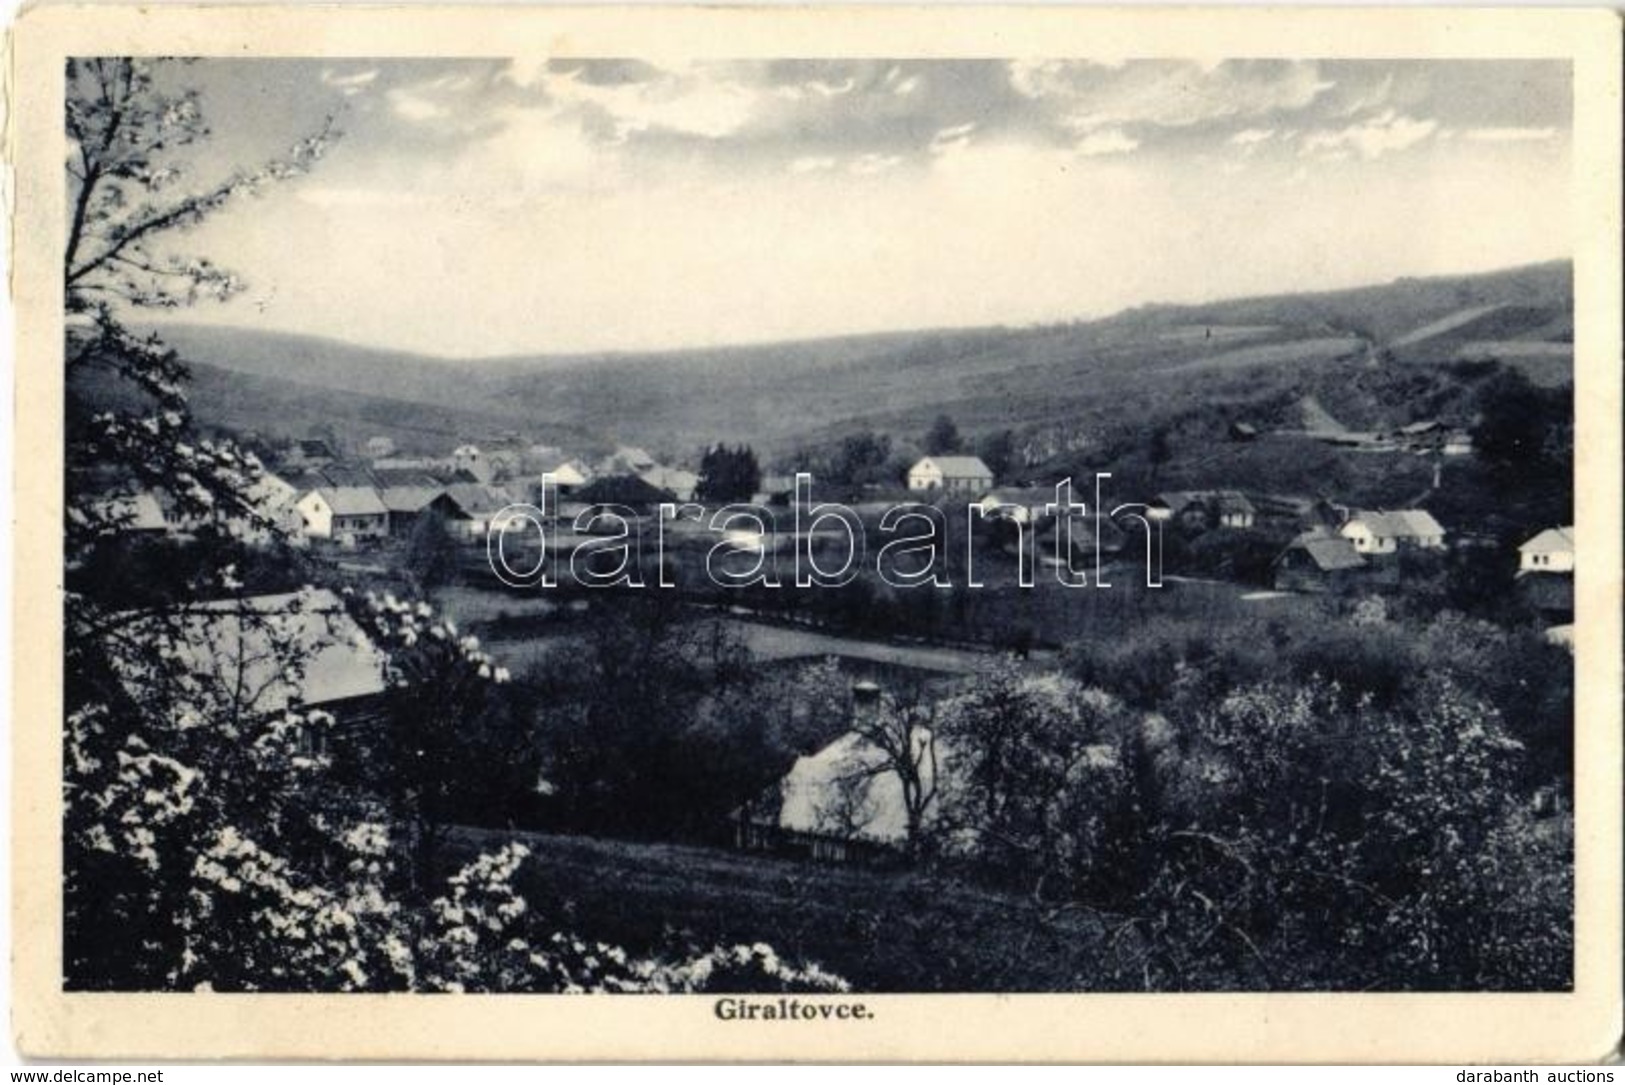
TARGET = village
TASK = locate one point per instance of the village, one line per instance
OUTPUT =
(356, 515)
(1168, 639)
(366, 505)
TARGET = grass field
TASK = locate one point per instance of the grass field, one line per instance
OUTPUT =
(882, 930)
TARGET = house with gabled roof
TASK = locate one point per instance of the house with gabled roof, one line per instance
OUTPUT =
(1379, 532)
(474, 506)
(1202, 509)
(679, 483)
(1551, 551)
(406, 503)
(1545, 578)
(257, 657)
(1320, 560)
(951, 474)
(347, 514)
(137, 513)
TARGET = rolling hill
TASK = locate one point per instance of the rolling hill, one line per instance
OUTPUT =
(1062, 387)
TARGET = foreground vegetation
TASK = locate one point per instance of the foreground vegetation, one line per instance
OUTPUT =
(1193, 792)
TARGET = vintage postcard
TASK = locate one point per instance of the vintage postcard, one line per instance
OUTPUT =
(817, 533)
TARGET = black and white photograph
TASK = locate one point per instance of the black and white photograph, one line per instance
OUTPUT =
(796, 529)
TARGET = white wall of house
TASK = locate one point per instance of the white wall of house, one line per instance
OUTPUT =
(1546, 553)
(367, 526)
(317, 515)
(1365, 541)
(924, 476)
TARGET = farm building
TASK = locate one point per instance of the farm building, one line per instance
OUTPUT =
(1232, 509)
(837, 804)
(1545, 579)
(1551, 551)
(474, 506)
(570, 474)
(274, 500)
(407, 503)
(139, 513)
(625, 491)
(951, 474)
(346, 514)
(1198, 510)
(776, 490)
(1387, 532)
(674, 480)
(245, 651)
(1318, 561)
(626, 460)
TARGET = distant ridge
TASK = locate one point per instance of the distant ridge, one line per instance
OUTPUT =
(777, 395)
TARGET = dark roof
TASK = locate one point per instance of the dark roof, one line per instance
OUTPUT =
(476, 499)
(387, 477)
(1329, 552)
(353, 500)
(621, 490)
(409, 498)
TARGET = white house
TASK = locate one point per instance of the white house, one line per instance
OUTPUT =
(571, 473)
(274, 499)
(951, 474)
(1386, 532)
(344, 513)
(236, 656)
(678, 482)
(626, 460)
(139, 513)
(1552, 551)
(1233, 509)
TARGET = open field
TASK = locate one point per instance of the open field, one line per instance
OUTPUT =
(883, 930)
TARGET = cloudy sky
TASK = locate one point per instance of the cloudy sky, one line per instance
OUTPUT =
(488, 207)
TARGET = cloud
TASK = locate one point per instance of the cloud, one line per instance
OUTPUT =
(1386, 133)
(351, 84)
(952, 138)
(412, 106)
(1109, 141)
(1168, 94)
(815, 89)
(870, 164)
(685, 100)
(1249, 137)
(898, 83)
(1509, 135)
(822, 163)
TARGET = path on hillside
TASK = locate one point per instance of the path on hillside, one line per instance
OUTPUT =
(1459, 318)
(1317, 419)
